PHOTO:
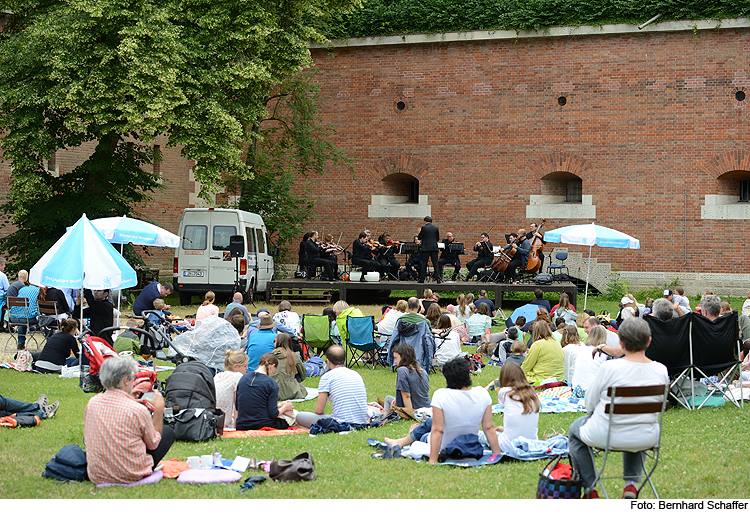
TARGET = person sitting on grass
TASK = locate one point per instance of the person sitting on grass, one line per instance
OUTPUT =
(344, 387)
(235, 366)
(517, 355)
(287, 317)
(630, 433)
(207, 308)
(40, 408)
(58, 348)
(448, 344)
(258, 403)
(520, 407)
(480, 324)
(412, 382)
(291, 371)
(545, 359)
(124, 440)
(457, 410)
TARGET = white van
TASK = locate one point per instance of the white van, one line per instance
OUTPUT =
(203, 261)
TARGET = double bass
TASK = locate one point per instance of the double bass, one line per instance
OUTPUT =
(503, 258)
(535, 260)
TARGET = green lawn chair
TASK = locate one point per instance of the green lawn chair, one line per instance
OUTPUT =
(316, 332)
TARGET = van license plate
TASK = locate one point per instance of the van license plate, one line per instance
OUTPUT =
(192, 273)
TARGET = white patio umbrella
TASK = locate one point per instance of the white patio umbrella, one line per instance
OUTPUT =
(591, 234)
(123, 230)
(83, 258)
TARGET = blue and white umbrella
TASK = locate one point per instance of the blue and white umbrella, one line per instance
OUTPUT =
(591, 234)
(528, 311)
(123, 230)
(83, 258)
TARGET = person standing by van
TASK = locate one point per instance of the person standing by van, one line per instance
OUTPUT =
(151, 292)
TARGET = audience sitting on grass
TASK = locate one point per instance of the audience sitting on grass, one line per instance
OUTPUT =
(648, 307)
(726, 308)
(463, 310)
(345, 389)
(391, 315)
(235, 366)
(207, 308)
(335, 334)
(128, 340)
(291, 371)
(457, 410)
(257, 404)
(412, 382)
(560, 326)
(426, 301)
(342, 310)
(58, 348)
(124, 440)
(545, 359)
(157, 314)
(448, 343)
(520, 406)
(518, 351)
(480, 324)
(630, 433)
(662, 309)
(564, 309)
(593, 321)
(433, 315)
(262, 341)
(287, 317)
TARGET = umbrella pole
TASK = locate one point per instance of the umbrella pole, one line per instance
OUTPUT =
(588, 268)
(119, 296)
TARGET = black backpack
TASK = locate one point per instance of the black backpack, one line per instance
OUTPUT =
(191, 385)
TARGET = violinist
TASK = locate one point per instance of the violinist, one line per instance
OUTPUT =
(522, 247)
(330, 249)
(484, 256)
(386, 255)
(315, 259)
(448, 257)
(362, 255)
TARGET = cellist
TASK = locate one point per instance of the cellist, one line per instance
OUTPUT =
(531, 235)
(521, 257)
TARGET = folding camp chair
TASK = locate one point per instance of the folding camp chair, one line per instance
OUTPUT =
(29, 324)
(362, 341)
(670, 345)
(716, 352)
(316, 332)
(658, 404)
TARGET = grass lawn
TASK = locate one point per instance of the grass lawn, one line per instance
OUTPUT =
(703, 452)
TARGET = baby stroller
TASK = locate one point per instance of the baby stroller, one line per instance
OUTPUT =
(97, 350)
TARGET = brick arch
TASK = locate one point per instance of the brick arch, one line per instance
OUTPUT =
(562, 162)
(402, 164)
(734, 161)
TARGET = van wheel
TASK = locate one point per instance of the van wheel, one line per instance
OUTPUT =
(185, 299)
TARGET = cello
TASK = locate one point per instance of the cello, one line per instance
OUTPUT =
(535, 261)
(503, 258)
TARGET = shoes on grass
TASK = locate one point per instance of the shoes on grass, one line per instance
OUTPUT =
(42, 401)
(630, 492)
(51, 409)
(591, 495)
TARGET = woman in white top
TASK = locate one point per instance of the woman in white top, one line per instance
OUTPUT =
(630, 433)
(287, 317)
(588, 362)
(449, 346)
(520, 407)
(235, 366)
(388, 323)
(480, 324)
(207, 308)
(463, 311)
(572, 346)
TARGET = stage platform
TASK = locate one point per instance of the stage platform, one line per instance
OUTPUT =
(301, 287)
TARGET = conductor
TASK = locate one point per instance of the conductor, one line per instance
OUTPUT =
(427, 239)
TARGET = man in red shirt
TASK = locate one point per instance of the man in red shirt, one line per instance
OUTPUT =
(124, 441)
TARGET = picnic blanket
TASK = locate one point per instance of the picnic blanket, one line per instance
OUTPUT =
(418, 451)
(312, 393)
(555, 401)
(263, 432)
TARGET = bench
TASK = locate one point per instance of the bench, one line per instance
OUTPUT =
(303, 296)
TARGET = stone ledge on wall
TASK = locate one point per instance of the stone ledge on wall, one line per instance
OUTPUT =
(722, 207)
(397, 207)
(548, 206)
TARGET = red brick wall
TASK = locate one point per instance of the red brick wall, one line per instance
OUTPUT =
(647, 116)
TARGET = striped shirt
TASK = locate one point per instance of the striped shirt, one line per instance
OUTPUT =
(31, 292)
(117, 431)
(347, 393)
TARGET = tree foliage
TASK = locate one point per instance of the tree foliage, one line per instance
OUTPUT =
(119, 73)
(393, 17)
(290, 144)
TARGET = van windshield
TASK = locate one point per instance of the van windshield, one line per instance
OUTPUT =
(194, 237)
(222, 233)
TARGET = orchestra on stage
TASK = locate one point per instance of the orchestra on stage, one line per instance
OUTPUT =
(521, 257)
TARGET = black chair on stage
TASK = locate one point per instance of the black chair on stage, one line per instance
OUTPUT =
(556, 270)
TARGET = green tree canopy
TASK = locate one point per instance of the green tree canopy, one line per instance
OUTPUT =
(119, 73)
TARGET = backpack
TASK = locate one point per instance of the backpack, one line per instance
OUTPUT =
(315, 367)
(191, 385)
(69, 464)
(475, 363)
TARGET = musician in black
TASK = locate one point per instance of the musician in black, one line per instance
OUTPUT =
(484, 256)
(448, 257)
(362, 256)
(428, 246)
(387, 256)
(534, 233)
(521, 244)
(315, 259)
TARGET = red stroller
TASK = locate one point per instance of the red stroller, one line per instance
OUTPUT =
(98, 350)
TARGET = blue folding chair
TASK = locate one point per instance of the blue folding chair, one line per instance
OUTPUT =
(362, 342)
